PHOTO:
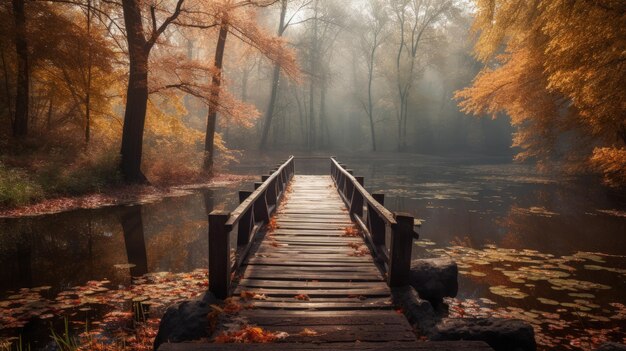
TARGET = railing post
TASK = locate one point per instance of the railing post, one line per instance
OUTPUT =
(376, 224)
(401, 246)
(219, 254)
(356, 201)
(246, 222)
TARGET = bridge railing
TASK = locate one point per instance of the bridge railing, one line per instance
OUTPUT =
(389, 234)
(248, 218)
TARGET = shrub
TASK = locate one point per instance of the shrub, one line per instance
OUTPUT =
(17, 188)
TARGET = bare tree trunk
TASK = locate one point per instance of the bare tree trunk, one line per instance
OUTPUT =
(89, 68)
(49, 119)
(7, 88)
(324, 132)
(275, 81)
(20, 121)
(136, 96)
(370, 105)
(209, 147)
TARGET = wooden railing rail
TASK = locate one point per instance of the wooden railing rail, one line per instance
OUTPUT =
(248, 218)
(390, 235)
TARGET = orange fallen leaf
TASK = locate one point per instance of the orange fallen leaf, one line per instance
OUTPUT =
(248, 334)
(302, 297)
(350, 231)
(308, 332)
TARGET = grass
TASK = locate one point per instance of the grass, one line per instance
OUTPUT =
(33, 176)
(64, 341)
(17, 188)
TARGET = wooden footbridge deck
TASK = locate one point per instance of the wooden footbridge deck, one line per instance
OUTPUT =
(317, 257)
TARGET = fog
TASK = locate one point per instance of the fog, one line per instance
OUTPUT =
(327, 107)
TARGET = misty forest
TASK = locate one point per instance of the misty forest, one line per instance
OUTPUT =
(342, 174)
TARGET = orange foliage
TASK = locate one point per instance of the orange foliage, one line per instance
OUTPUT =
(249, 334)
(560, 80)
(350, 231)
(302, 297)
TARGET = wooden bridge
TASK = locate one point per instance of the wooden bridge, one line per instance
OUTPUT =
(317, 257)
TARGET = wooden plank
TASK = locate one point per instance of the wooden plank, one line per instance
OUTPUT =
(312, 318)
(312, 305)
(321, 270)
(364, 346)
(319, 257)
(320, 295)
(353, 277)
(278, 262)
(310, 284)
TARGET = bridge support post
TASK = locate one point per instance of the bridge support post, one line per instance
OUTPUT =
(219, 254)
(401, 246)
(246, 223)
(376, 225)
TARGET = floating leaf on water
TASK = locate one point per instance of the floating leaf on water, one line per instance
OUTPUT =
(590, 256)
(124, 265)
(41, 288)
(547, 301)
(504, 291)
(592, 267)
(575, 285)
(582, 295)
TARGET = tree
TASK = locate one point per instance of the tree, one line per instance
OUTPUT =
(216, 81)
(20, 121)
(275, 79)
(560, 79)
(232, 18)
(137, 93)
(415, 19)
(371, 39)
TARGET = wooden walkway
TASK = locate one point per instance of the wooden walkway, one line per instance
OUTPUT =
(317, 276)
(312, 275)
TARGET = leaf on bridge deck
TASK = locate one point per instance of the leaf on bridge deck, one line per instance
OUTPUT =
(350, 231)
(249, 334)
(308, 332)
(302, 297)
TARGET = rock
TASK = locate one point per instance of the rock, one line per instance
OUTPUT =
(611, 346)
(435, 278)
(501, 334)
(186, 321)
(420, 313)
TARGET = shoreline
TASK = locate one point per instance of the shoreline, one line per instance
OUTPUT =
(117, 195)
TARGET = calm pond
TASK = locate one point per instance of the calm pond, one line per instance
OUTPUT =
(529, 246)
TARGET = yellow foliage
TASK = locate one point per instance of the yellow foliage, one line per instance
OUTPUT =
(560, 79)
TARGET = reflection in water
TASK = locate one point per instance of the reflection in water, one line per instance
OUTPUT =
(134, 242)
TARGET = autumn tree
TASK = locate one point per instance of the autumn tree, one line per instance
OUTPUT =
(560, 78)
(235, 18)
(139, 46)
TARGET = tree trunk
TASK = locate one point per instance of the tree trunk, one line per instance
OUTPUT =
(209, 149)
(270, 108)
(20, 121)
(275, 81)
(136, 96)
(324, 132)
(370, 105)
(89, 69)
